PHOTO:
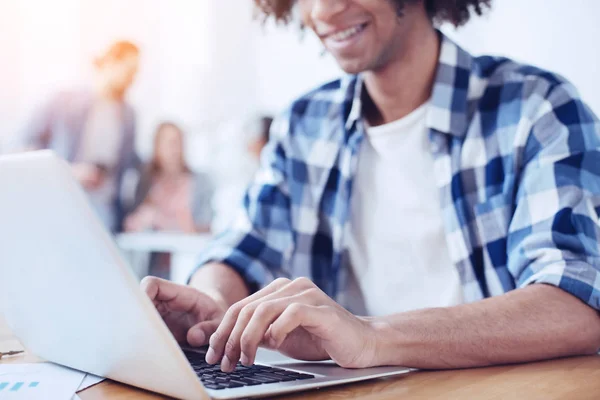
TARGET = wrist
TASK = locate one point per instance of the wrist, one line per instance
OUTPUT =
(218, 298)
(221, 283)
(211, 292)
(380, 334)
(387, 348)
(372, 343)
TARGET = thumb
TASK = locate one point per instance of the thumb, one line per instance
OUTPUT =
(177, 297)
(199, 334)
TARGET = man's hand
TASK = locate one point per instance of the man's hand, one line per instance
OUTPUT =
(191, 315)
(297, 319)
(88, 175)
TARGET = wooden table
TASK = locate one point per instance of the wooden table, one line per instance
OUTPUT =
(571, 378)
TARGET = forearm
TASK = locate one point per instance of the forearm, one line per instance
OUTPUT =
(534, 323)
(221, 282)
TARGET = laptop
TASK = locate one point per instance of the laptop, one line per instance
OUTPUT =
(70, 297)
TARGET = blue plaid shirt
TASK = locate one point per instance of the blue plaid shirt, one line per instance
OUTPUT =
(517, 163)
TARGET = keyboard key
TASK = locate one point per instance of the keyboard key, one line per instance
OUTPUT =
(286, 379)
(304, 376)
(250, 381)
(263, 379)
(212, 386)
(269, 375)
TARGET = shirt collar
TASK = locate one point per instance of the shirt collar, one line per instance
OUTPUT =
(448, 111)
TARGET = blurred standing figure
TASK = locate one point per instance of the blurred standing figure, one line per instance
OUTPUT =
(94, 130)
(261, 136)
(170, 197)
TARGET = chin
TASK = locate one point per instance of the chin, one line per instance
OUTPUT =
(353, 67)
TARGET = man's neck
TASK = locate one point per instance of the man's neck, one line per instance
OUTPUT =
(405, 82)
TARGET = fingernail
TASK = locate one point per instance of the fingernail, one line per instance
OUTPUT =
(211, 356)
(199, 336)
(244, 360)
(226, 364)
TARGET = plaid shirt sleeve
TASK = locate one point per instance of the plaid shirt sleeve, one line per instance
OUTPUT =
(259, 240)
(554, 233)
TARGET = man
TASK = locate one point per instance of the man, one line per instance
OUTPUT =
(94, 129)
(457, 195)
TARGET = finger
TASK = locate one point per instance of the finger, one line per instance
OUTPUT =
(218, 339)
(242, 311)
(250, 335)
(150, 285)
(298, 315)
(232, 349)
(176, 297)
(198, 334)
(262, 312)
(266, 340)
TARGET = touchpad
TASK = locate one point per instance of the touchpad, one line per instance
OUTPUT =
(265, 356)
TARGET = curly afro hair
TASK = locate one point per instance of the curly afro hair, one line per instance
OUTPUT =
(456, 12)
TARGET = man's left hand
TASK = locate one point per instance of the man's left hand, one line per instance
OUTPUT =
(297, 319)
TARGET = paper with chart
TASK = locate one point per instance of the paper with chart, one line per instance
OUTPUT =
(40, 381)
(89, 380)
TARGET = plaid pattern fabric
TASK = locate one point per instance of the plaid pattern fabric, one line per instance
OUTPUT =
(517, 163)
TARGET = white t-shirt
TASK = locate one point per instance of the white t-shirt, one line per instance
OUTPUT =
(396, 239)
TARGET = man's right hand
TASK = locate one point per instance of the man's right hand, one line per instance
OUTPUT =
(191, 315)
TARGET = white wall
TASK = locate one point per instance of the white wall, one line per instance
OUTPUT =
(206, 64)
(557, 35)
(49, 46)
(289, 63)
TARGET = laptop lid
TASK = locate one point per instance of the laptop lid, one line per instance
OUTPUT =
(67, 293)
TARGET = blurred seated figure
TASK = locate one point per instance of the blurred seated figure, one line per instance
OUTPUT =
(237, 167)
(94, 130)
(260, 135)
(169, 196)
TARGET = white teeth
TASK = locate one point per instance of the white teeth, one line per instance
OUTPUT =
(345, 34)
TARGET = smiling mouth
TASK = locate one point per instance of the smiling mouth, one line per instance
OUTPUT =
(346, 34)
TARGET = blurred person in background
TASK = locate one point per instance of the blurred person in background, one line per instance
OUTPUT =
(94, 130)
(259, 135)
(170, 197)
(238, 167)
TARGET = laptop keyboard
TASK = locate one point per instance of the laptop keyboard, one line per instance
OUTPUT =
(212, 377)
